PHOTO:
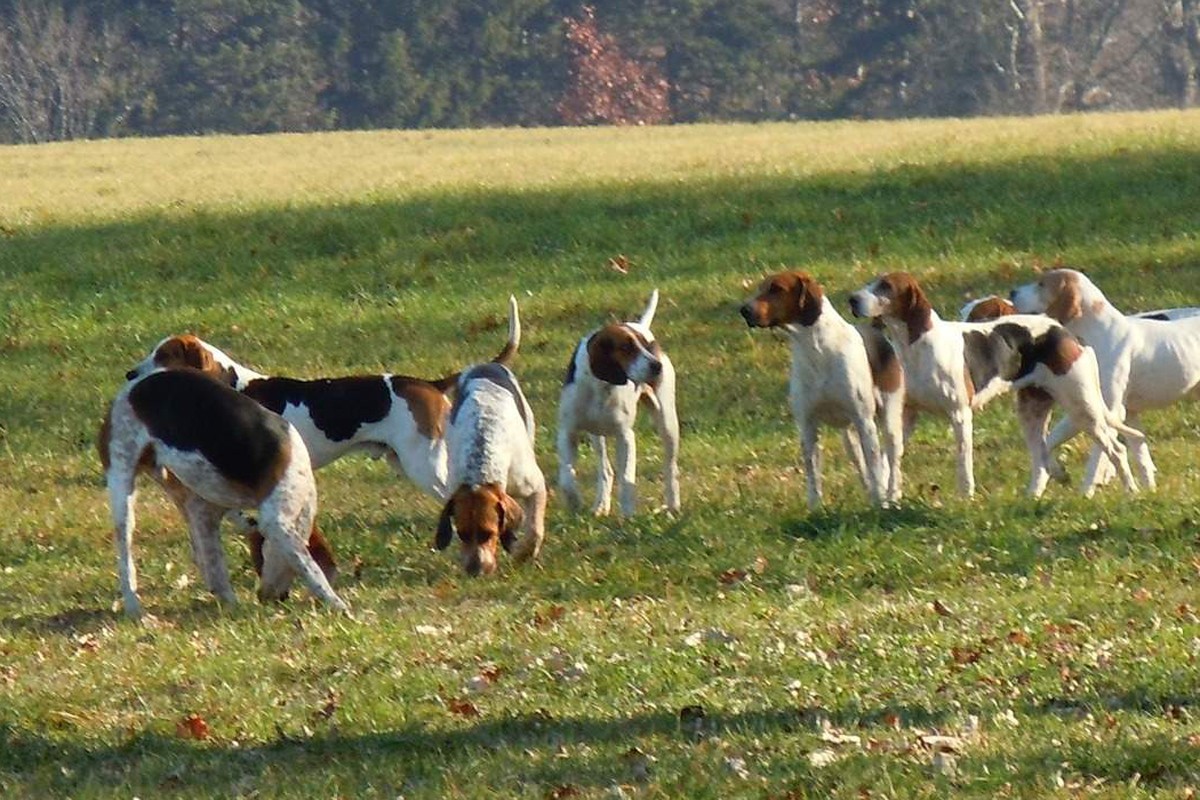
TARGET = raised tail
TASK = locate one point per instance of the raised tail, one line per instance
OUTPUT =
(509, 352)
(651, 307)
(1127, 431)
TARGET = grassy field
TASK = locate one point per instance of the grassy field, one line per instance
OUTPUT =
(745, 648)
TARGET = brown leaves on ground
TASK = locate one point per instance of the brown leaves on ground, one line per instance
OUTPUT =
(192, 726)
(463, 708)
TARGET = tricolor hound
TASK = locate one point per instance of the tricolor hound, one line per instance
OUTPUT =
(942, 373)
(611, 371)
(497, 486)
(1144, 363)
(214, 449)
(993, 306)
(400, 418)
(842, 375)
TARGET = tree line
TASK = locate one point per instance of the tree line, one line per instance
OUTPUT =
(94, 68)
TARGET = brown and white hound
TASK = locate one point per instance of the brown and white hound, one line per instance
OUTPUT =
(842, 375)
(612, 371)
(213, 449)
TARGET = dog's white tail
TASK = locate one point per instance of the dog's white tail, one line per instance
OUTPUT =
(514, 334)
(651, 307)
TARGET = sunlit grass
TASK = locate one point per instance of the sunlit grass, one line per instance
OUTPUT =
(1057, 639)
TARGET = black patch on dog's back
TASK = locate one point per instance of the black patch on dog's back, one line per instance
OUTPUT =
(338, 406)
(1034, 350)
(570, 377)
(493, 373)
(1161, 317)
(190, 411)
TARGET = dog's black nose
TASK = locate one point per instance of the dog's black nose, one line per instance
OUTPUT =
(133, 373)
(473, 566)
(655, 369)
(855, 306)
(745, 312)
(1012, 296)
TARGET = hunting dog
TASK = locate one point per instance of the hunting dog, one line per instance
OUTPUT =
(842, 375)
(941, 373)
(214, 449)
(612, 370)
(497, 485)
(1144, 363)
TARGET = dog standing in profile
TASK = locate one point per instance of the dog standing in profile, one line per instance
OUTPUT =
(942, 373)
(612, 371)
(842, 375)
(214, 449)
(496, 485)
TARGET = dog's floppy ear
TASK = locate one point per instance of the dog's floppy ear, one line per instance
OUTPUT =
(445, 528)
(511, 517)
(602, 359)
(1006, 346)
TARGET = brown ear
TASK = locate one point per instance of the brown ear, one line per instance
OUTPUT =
(1067, 303)
(322, 552)
(602, 360)
(511, 517)
(811, 300)
(445, 528)
(197, 356)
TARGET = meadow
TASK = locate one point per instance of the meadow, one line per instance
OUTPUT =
(743, 648)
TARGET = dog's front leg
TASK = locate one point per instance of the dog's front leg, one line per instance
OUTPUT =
(627, 471)
(810, 449)
(568, 452)
(604, 478)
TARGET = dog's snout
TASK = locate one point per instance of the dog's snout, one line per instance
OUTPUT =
(745, 312)
(473, 566)
(133, 373)
(856, 305)
(655, 369)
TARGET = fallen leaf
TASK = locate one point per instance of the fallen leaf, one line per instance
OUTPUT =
(732, 576)
(192, 726)
(544, 619)
(619, 263)
(463, 708)
(941, 609)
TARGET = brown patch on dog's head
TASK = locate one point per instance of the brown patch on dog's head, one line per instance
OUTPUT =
(1062, 295)
(612, 351)
(990, 308)
(485, 518)
(906, 302)
(785, 298)
(185, 351)
(426, 402)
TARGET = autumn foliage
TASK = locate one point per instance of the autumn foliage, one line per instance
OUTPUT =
(606, 87)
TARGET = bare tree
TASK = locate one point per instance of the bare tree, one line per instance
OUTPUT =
(57, 77)
(1181, 50)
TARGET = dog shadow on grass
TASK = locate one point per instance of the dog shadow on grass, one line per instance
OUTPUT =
(418, 755)
(828, 521)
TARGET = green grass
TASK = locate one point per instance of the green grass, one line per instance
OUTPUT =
(1072, 635)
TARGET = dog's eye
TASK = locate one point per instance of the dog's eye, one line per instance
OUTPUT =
(884, 286)
(627, 347)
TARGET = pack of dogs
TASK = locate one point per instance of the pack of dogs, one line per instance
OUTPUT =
(224, 441)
